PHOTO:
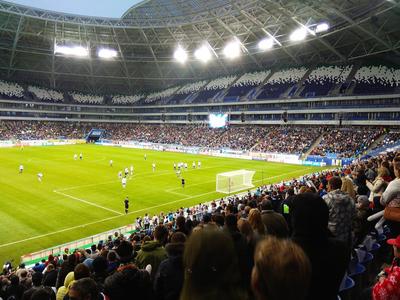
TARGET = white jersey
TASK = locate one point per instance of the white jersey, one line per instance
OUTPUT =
(75, 156)
(123, 182)
(199, 164)
(81, 156)
(111, 162)
(153, 166)
(120, 174)
(21, 168)
(126, 171)
(40, 176)
(131, 170)
(185, 165)
(193, 165)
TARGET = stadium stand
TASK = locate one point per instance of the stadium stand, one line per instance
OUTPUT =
(376, 80)
(11, 90)
(46, 94)
(87, 99)
(124, 99)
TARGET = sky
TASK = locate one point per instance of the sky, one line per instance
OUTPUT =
(98, 8)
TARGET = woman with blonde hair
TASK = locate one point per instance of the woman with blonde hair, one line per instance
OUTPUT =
(348, 187)
(379, 185)
(256, 222)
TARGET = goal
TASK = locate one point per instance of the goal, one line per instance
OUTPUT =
(234, 181)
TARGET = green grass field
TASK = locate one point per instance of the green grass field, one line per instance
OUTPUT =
(81, 198)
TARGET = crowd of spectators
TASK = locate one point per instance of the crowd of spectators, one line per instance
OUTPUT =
(391, 138)
(292, 240)
(347, 142)
(44, 94)
(28, 130)
(288, 139)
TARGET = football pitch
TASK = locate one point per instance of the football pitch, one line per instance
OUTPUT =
(79, 198)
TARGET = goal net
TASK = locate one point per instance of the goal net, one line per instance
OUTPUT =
(234, 181)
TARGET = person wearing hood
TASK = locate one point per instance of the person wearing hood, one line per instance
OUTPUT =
(341, 211)
(168, 280)
(329, 256)
(153, 252)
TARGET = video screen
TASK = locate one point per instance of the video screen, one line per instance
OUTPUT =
(218, 120)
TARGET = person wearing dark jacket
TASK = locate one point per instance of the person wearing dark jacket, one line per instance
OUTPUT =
(275, 224)
(15, 289)
(168, 280)
(50, 276)
(329, 256)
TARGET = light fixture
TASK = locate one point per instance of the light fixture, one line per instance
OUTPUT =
(72, 50)
(203, 54)
(321, 27)
(265, 44)
(298, 35)
(107, 53)
(232, 49)
(180, 55)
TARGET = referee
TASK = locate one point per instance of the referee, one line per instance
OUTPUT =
(126, 203)
(183, 182)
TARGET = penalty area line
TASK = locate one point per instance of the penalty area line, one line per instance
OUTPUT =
(88, 202)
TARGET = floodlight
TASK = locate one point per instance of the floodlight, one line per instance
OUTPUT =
(180, 55)
(232, 49)
(322, 27)
(299, 34)
(203, 54)
(265, 44)
(72, 50)
(107, 53)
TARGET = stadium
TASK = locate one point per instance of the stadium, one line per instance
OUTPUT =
(200, 149)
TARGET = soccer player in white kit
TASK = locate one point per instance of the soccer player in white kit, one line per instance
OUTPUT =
(145, 156)
(126, 171)
(75, 156)
(199, 164)
(40, 176)
(120, 174)
(185, 166)
(111, 162)
(153, 166)
(21, 169)
(131, 170)
(194, 165)
(123, 181)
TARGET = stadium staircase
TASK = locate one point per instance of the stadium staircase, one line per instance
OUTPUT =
(300, 86)
(311, 148)
(257, 90)
(346, 84)
(376, 142)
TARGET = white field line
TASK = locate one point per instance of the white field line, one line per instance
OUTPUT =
(87, 202)
(99, 221)
(118, 216)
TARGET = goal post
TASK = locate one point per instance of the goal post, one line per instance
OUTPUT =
(234, 181)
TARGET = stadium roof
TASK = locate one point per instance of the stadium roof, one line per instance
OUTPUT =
(148, 33)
